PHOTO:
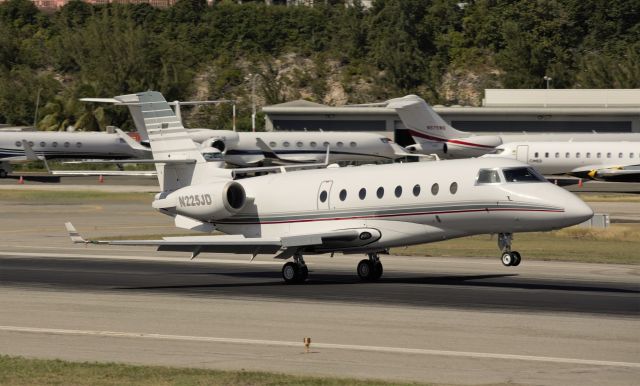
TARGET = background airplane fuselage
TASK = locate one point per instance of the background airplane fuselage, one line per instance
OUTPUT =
(294, 203)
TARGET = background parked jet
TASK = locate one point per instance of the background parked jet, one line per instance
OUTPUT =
(606, 161)
(434, 135)
(248, 149)
(26, 146)
(351, 210)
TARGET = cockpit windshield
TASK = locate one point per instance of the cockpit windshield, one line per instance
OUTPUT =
(212, 156)
(522, 175)
(488, 176)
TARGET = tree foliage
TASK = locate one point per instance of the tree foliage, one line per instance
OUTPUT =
(397, 46)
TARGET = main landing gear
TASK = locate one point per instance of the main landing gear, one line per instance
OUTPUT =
(370, 269)
(296, 271)
(509, 258)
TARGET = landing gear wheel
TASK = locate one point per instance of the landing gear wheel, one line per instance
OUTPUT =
(516, 259)
(507, 259)
(365, 270)
(290, 272)
(377, 270)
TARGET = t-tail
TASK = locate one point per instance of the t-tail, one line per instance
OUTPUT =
(182, 163)
(434, 134)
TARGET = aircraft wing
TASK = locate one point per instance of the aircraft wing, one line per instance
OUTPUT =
(286, 245)
(620, 173)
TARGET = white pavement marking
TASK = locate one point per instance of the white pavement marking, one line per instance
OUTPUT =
(385, 349)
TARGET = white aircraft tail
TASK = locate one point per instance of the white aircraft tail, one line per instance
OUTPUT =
(182, 162)
(422, 121)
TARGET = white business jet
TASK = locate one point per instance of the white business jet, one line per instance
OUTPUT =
(27, 146)
(433, 135)
(605, 161)
(251, 149)
(364, 209)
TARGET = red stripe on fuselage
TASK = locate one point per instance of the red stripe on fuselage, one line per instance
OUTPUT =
(456, 141)
(393, 215)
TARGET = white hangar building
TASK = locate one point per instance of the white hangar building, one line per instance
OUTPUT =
(503, 110)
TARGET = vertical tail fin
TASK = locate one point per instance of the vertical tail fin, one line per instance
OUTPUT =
(170, 142)
(422, 121)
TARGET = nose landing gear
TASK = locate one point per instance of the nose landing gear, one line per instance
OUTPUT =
(370, 269)
(509, 258)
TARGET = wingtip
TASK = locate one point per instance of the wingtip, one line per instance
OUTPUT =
(73, 234)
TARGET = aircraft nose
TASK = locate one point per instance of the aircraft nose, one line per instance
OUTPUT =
(577, 211)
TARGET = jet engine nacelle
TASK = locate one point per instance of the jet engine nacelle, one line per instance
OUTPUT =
(474, 146)
(209, 202)
(221, 140)
(427, 148)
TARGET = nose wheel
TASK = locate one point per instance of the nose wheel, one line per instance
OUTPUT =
(370, 269)
(296, 271)
(509, 258)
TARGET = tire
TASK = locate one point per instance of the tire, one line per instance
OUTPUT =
(377, 270)
(365, 270)
(507, 259)
(290, 273)
(516, 259)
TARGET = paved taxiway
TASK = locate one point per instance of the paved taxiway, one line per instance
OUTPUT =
(468, 321)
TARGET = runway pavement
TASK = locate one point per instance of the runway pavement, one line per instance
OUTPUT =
(447, 320)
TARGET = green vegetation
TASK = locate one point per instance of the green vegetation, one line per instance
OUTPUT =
(328, 52)
(617, 244)
(72, 197)
(21, 371)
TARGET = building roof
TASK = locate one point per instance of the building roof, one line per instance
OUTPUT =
(562, 98)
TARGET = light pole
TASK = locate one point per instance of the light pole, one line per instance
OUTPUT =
(253, 101)
(548, 79)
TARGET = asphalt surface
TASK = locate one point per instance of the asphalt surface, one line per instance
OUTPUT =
(495, 290)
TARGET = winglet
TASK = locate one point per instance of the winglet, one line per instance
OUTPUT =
(73, 233)
(131, 142)
(28, 151)
(267, 151)
(326, 158)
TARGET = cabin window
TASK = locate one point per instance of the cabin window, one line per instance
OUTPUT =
(588, 155)
(398, 191)
(535, 155)
(313, 144)
(323, 196)
(272, 144)
(416, 190)
(42, 144)
(362, 193)
(522, 175)
(619, 155)
(285, 144)
(67, 144)
(18, 143)
(31, 144)
(380, 192)
(578, 155)
(299, 144)
(340, 144)
(608, 155)
(488, 176)
(78, 144)
(434, 189)
(453, 188)
(557, 155)
(567, 155)
(598, 155)
(546, 155)
(343, 194)
(630, 155)
(353, 144)
(326, 144)
(54, 144)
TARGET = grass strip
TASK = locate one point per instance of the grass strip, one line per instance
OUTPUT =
(618, 244)
(21, 371)
(71, 197)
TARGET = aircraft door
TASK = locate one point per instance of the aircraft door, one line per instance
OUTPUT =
(522, 153)
(324, 194)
